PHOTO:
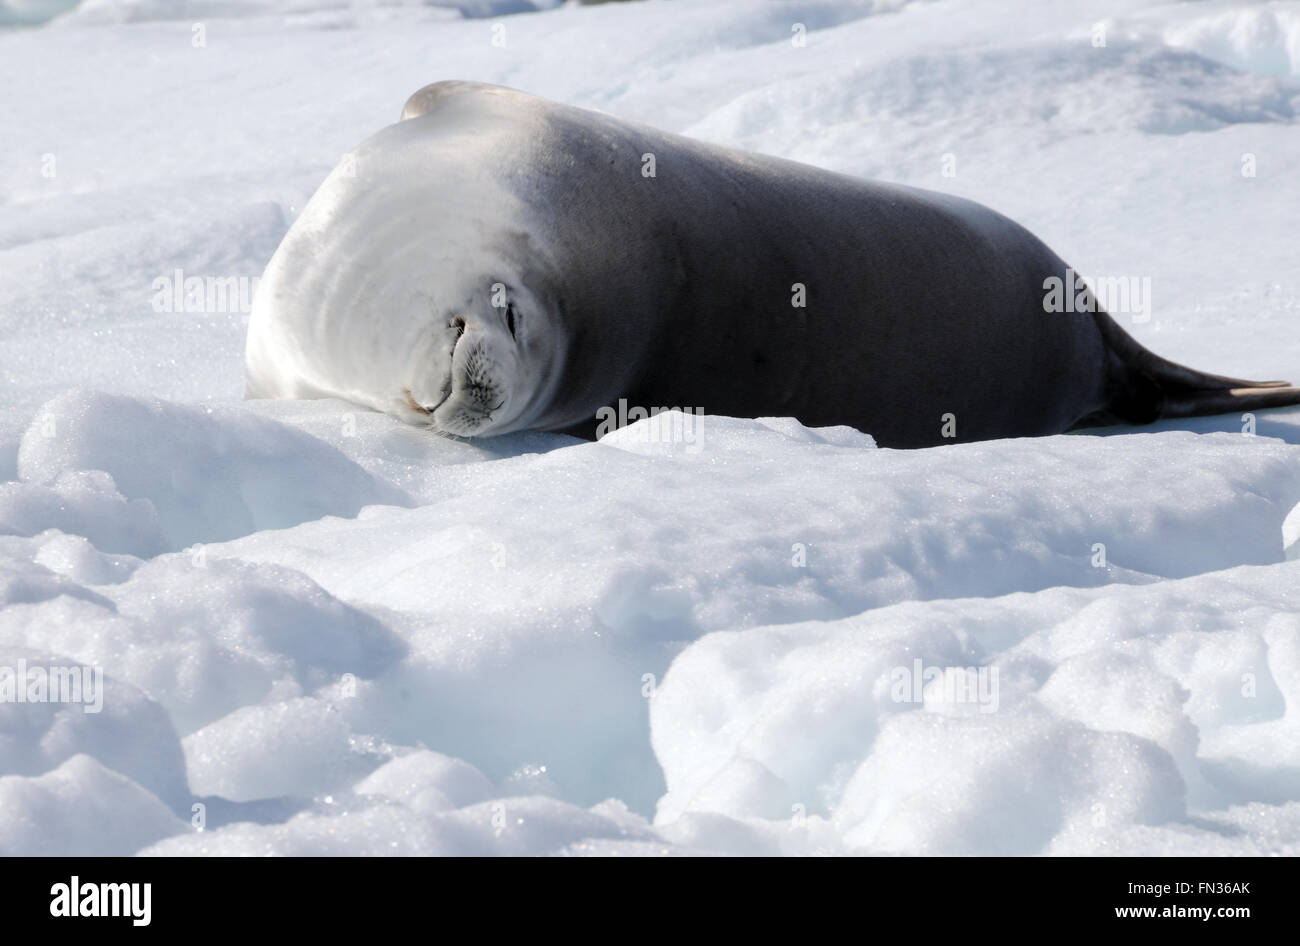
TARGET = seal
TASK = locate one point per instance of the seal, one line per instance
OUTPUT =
(496, 262)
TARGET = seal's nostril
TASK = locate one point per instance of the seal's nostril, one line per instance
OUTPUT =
(459, 324)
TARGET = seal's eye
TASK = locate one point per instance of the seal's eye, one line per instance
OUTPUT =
(510, 318)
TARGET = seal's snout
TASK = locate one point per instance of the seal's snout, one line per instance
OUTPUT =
(477, 375)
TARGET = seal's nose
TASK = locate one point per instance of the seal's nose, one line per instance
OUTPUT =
(459, 324)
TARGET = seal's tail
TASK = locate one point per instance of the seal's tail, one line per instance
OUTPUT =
(1144, 387)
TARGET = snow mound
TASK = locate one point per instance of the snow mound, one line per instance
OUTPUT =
(1263, 40)
(1042, 723)
(117, 725)
(1063, 90)
(204, 637)
(83, 503)
(426, 804)
(80, 809)
(208, 474)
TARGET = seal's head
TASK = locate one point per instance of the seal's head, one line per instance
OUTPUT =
(412, 283)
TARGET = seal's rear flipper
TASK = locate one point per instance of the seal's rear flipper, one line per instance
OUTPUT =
(1248, 397)
(1144, 387)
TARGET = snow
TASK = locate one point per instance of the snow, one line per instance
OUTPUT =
(322, 631)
